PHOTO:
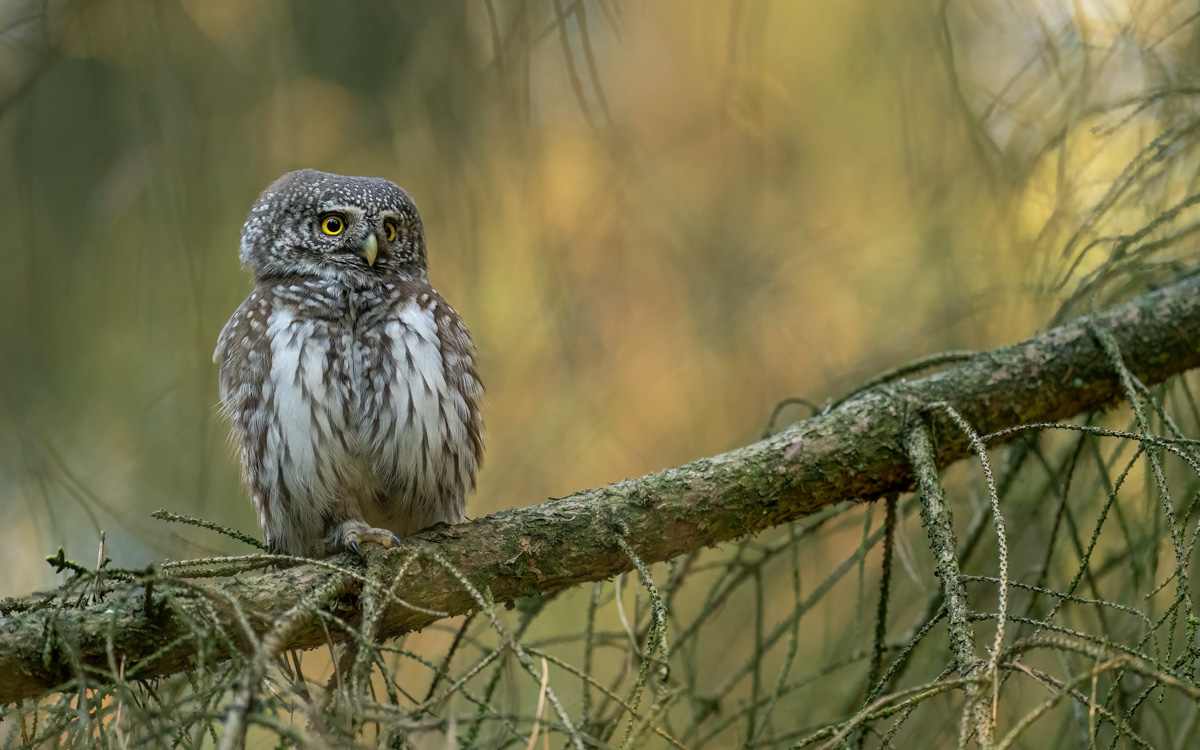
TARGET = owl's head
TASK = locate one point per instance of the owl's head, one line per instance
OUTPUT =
(310, 223)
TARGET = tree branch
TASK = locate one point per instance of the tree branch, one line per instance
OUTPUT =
(857, 451)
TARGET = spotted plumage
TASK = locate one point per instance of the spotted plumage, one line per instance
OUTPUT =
(349, 382)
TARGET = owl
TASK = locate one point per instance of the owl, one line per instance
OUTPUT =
(349, 383)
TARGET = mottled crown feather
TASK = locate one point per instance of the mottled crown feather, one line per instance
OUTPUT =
(282, 236)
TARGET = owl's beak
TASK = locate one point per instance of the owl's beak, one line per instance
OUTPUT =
(369, 249)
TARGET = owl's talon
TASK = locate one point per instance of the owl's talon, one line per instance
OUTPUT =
(351, 534)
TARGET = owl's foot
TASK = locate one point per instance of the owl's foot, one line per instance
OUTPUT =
(350, 534)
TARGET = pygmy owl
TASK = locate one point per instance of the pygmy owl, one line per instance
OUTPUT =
(349, 382)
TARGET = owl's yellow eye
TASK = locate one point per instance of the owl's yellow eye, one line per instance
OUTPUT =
(332, 225)
(390, 228)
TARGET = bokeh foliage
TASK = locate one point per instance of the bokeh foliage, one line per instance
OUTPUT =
(659, 219)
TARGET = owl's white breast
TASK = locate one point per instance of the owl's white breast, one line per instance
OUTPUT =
(409, 431)
(307, 430)
(363, 416)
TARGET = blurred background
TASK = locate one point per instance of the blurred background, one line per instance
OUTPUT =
(658, 219)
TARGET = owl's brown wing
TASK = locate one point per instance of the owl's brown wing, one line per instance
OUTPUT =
(458, 358)
(244, 355)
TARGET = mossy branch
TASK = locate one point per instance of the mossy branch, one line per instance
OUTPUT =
(856, 451)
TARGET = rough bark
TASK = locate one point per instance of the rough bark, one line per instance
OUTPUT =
(857, 451)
